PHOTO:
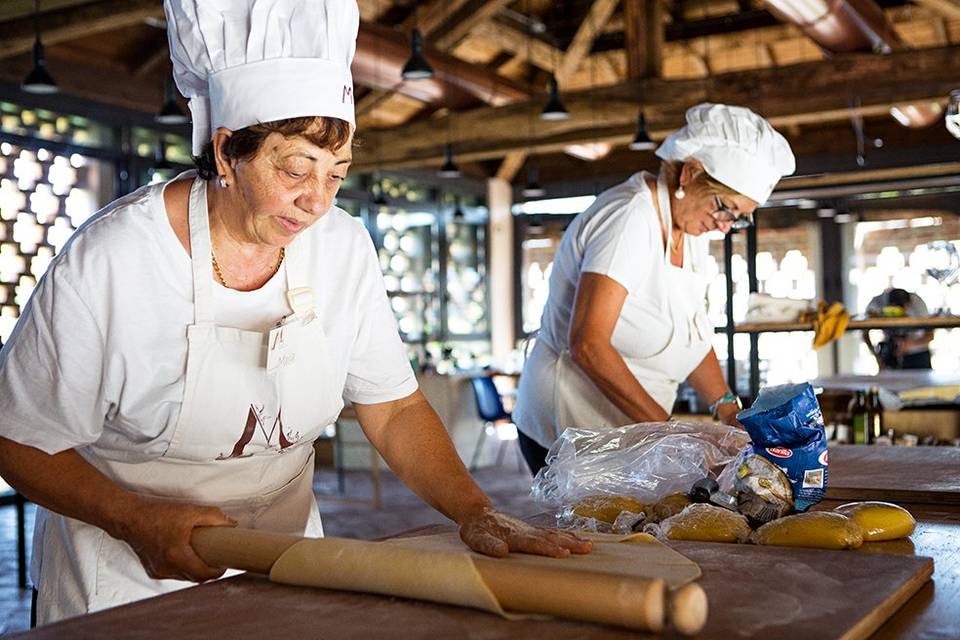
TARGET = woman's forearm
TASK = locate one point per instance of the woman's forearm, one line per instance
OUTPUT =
(707, 379)
(67, 484)
(410, 436)
(604, 365)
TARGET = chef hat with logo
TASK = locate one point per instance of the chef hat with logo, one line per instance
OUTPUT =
(736, 146)
(242, 62)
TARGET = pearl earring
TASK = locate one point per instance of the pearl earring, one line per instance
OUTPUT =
(679, 194)
(222, 181)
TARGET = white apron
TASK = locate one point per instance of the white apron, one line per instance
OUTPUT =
(577, 402)
(253, 405)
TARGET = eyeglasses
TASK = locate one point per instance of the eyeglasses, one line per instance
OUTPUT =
(725, 214)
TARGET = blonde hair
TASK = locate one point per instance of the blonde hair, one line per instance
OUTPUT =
(670, 172)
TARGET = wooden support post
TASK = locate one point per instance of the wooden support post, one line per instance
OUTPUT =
(644, 38)
(502, 326)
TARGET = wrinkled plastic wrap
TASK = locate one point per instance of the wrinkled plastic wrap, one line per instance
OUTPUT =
(646, 461)
(703, 523)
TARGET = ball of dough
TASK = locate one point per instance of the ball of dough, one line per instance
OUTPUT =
(706, 523)
(816, 529)
(879, 520)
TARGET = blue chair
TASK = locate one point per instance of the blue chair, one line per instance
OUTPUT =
(490, 408)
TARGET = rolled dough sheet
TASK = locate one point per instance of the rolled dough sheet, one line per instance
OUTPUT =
(636, 556)
(376, 567)
(620, 582)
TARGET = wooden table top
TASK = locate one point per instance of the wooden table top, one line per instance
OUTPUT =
(897, 474)
(747, 585)
(769, 592)
(934, 611)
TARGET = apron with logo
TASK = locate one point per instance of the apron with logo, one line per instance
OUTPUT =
(253, 405)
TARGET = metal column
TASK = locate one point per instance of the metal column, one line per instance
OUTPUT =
(728, 277)
(754, 337)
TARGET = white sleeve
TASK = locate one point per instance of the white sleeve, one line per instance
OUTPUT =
(51, 371)
(379, 370)
(918, 308)
(876, 305)
(618, 243)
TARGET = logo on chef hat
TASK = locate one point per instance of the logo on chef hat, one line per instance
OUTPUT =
(347, 94)
(780, 452)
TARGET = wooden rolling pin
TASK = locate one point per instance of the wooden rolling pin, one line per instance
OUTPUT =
(634, 603)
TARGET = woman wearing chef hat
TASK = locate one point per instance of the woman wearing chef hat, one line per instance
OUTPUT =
(625, 320)
(180, 356)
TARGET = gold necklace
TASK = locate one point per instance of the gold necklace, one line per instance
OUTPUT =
(219, 273)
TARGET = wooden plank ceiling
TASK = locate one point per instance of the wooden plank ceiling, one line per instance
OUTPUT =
(609, 58)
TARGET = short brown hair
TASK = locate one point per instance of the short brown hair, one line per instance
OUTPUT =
(326, 133)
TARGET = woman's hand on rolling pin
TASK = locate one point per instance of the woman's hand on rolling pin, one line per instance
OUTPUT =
(159, 533)
(496, 534)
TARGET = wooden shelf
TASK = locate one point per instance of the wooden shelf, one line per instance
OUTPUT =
(934, 322)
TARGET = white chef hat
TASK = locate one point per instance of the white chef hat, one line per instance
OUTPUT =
(736, 146)
(241, 62)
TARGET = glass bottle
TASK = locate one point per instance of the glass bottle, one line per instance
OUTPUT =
(873, 422)
(857, 410)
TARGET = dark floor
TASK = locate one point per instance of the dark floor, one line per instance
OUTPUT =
(507, 486)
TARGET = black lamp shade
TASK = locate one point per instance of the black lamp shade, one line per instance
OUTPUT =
(417, 67)
(39, 79)
(170, 111)
(642, 141)
(554, 109)
(533, 188)
(449, 168)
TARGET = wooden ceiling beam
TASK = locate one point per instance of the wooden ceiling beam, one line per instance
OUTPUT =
(17, 36)
(485, 11)
(644, 32)
(511, 165)
(592, 25)
(515, 41)
(949, 9)
(807, 93)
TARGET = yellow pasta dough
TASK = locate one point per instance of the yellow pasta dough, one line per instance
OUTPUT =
(706, 523)
(879, 520)
(816, 529)
(607, 508)
(670, 506)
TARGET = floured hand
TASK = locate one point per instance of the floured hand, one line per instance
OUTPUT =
(497, 534)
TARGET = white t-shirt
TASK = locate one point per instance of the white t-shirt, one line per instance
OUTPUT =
(98, 357)
(620, 237)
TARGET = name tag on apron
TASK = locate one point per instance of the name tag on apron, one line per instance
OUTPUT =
(282, 344)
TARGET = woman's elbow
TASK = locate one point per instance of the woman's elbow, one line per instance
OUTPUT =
(588, 351)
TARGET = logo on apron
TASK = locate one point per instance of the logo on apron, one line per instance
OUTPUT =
(255, 421)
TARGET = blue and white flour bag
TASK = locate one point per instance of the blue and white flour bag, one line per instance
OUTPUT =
(786, 426)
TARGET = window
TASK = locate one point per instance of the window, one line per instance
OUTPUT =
(44, 197)
(895, 253)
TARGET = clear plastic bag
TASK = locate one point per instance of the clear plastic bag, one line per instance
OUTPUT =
(647, 461)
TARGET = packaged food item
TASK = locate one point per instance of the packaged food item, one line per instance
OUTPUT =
(879, 520)
(815, 529)
(706, 523)
(608, 508)
(786, 427)
(763, 491)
